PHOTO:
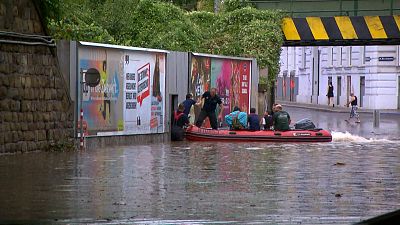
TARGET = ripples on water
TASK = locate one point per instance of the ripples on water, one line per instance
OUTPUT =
(342, 182)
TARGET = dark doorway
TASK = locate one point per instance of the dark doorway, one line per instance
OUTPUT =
(174, 106)
(339, 90)
(362, 90)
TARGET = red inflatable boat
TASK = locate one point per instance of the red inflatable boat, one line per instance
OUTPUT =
(194, 133)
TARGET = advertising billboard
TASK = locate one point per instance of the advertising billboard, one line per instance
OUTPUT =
(130, 98)
(230, 76)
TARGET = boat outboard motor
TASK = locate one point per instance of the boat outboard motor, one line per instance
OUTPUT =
(304, 124)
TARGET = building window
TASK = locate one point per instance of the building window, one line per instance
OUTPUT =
(330, 56)
(303, 57)
(398, 56)
(341, 56)
(294, 57)
(287, 58)
(349, 55)
(362, 55)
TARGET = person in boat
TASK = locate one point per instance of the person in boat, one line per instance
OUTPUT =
(354, 106)
(253, 120)
(267, 121)
(210, 100)
(180, 120)
(188, 103)
(236, 120)
(281, 119)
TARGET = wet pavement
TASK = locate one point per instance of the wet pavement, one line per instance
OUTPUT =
(355, 177)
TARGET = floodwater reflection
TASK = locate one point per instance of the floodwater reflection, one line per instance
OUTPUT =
(198, 183)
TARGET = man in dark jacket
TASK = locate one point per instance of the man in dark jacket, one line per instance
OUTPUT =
(210, 100)
(253, 120)
(188, 103)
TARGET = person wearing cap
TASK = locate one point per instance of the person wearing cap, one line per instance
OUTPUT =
(281, 119)
(236, 120)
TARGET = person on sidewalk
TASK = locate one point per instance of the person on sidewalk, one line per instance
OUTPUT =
(210, 100)
(330, 95)
(253, 120)
(281, 119)
(354, 106)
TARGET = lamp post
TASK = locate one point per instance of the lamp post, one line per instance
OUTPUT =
(90, 77)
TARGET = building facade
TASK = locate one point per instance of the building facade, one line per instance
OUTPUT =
(370, 72)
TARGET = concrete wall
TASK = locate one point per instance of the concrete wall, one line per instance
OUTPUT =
(35, 109)
(254, 86)
(140, 139)
(177, 82)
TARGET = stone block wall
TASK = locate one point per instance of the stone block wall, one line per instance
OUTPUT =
(35, 108)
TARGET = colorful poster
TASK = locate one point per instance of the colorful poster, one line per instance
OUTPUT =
(102, 105)
(130, 96)
(231, 77)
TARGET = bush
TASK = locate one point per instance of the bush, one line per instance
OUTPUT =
(238, 30)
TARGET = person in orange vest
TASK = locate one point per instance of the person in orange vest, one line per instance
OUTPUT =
(180, 120)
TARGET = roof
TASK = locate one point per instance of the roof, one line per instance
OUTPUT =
(221, 56)
(93, 44)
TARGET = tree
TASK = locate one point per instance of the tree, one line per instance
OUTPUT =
(238, 30)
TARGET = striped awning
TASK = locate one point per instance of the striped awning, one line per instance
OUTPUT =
(342, 30)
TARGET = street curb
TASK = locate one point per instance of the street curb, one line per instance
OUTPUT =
(336, 110)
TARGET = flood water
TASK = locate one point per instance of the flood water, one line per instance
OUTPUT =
(199, 183)
(355, 177)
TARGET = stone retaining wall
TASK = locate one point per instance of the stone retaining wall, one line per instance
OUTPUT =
(35, 109)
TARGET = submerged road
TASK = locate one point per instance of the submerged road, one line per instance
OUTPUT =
(355, 177)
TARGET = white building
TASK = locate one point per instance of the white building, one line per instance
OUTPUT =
(372, 73)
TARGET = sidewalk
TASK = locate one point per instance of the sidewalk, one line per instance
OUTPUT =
(340, 109)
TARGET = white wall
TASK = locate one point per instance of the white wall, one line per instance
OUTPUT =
(381, 77)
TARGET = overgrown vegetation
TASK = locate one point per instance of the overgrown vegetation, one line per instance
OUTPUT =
(237, 30)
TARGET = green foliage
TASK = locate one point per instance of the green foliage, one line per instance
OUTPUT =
(162, 25)
(238, 30)
(205, 5)
(189, 5)
(49, 8)
(72, 30)
(249, 32)
(232, 5)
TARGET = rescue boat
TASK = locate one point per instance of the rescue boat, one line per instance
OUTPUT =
(194, 133)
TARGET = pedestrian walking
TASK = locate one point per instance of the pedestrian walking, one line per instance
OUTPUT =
(354, 106)
(330, 95)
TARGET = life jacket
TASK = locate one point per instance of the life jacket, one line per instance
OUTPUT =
(177, 115)
(177, 133)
